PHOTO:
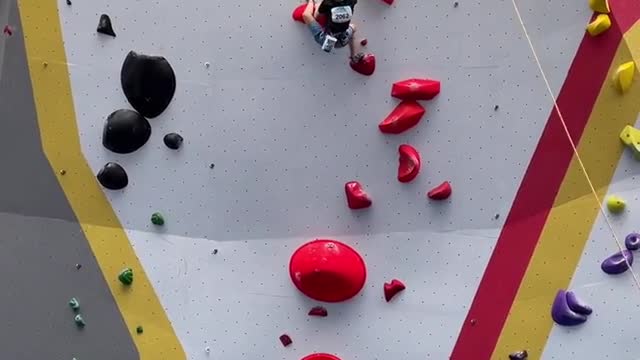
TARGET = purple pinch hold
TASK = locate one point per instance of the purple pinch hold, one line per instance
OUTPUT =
(562, 314)
(578, 305)
(632, 241)
(616, 264)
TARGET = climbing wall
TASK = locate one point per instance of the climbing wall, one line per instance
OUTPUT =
(273, 128)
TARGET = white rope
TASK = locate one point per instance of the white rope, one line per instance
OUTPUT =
(573, 145)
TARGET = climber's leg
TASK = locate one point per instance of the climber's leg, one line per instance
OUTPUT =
(354, 54)
(308, 16)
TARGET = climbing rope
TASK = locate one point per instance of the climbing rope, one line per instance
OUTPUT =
(573, 145)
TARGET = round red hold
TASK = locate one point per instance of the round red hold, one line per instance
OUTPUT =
(320, 357)
(327, 270)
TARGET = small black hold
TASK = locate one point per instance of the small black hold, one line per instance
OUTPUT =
(211, 166)
(495, 108)
(497, 216)
(148, 82)
(113, 176)
(455, 4)
(69, 2)
(215, 251)
(104, 25)
(520, 355)
(173, 141)
(78, 266)
(125, 131)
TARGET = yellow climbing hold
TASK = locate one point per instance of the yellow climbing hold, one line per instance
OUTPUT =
(630, 136)
(600, 6)
(615, 204)
(624, 76)
(599, 25)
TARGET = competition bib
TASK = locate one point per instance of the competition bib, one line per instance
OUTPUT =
(341, 14)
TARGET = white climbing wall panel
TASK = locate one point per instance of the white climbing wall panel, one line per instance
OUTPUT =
(286, 125)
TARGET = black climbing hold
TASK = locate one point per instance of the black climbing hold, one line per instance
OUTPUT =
(455, 4)
(520, 355)
(173, 141)
(78, 266)
(104, 25)
(148, 83)
(113, 177)
(125, 131)
(211, 166)
(495, 108)
(68, 2)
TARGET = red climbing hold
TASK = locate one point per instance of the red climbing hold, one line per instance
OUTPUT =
(327, 270)
(409, 166)
(392, 288)
(318, 311)
(366, 65)
(440, 192)
(285, 340)
(416, 89)
(297, 15)
(389, 2)
(320, 357)
(8, 30)
(405, 116)
(357, 198)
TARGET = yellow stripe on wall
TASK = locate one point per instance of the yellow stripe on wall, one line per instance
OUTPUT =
(138, 304)
(570, 221)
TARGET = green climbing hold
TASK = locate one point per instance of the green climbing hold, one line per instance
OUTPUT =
(74, 304)
(139, 329)
(79, 320)
(126, 276)
(157, 219)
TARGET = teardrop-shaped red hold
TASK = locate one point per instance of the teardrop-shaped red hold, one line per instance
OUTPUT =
(416, 89)
(318, 311)
(405, 116)
(357, 198)
(392, 288)
(327, 270)
(440, 192)
(409, 163)
(366, 66)
(389, 2)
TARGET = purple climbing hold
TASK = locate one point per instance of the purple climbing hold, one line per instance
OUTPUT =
(616, 264)
(578, 305)
(562, 314)
(632, 241)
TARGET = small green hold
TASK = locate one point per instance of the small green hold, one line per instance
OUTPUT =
(74, 304)
(79, 320)
(126, 276)
(157, 219)
(139, 329)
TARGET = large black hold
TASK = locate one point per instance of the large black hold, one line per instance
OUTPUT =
(125, 131)
(173, 141)
(148, 82)
(113, 177)
(104, 25)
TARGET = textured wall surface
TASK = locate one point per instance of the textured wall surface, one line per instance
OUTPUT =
(286, 125)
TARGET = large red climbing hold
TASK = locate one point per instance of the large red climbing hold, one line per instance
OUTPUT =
(366, 65)
(392, 288)
(440, 192)
(409, 165)
(389, 2)
(416, 89)
(298, 11)
(405, 116)
(320, 357)
(327, 270)
(357, 198)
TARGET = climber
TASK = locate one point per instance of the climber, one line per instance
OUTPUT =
(339, 31)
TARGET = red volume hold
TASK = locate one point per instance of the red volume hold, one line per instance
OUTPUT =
(392, 288)
(327, 270)
(440, 192)
(405, 116)
(409, 163)
(357, 198)
(416, 89)
(389, 2)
